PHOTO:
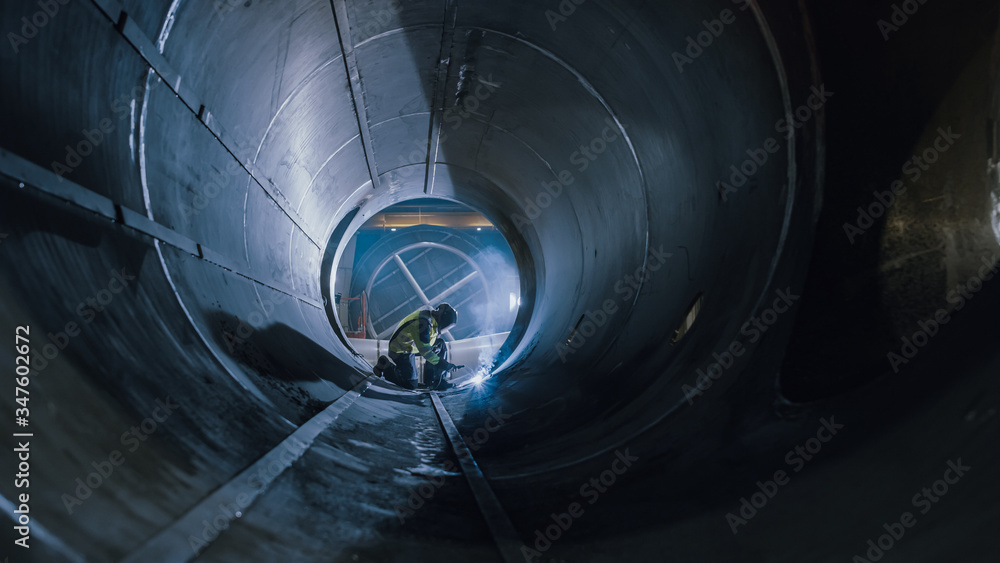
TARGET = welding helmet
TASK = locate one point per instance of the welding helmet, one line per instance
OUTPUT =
(446, 316)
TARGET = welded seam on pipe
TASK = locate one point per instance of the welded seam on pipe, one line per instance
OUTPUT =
(174, 543)
(589, 88)
(237, 375)
(343, 24)
(274, 118)
(140, 148)
(638, 166)
(501, 528)
(819, 187)
(438, 95)
(396, 31)
(322, 167)
(45, 181)
(146, 49)
(628, 141)
(786, 98)
(168, 25)
(787, 102)
(147, 224)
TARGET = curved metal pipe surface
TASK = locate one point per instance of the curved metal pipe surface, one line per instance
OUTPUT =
(180, 180)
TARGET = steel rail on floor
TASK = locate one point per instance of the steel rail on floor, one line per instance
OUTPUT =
(503, 532)
(174, 543)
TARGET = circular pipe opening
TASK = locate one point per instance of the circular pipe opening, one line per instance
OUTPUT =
(436, 235)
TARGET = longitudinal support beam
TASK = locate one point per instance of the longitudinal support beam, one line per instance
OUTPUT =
(44, 181)
(440, 85)
(343, 22)
(147, 49)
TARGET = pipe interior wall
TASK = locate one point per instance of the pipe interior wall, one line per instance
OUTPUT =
(630, 169)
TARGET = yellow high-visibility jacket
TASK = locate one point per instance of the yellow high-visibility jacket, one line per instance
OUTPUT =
(416, 334)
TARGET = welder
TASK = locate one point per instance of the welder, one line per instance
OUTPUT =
(419, 333)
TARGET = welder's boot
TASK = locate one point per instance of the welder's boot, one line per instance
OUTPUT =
(384, 368)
